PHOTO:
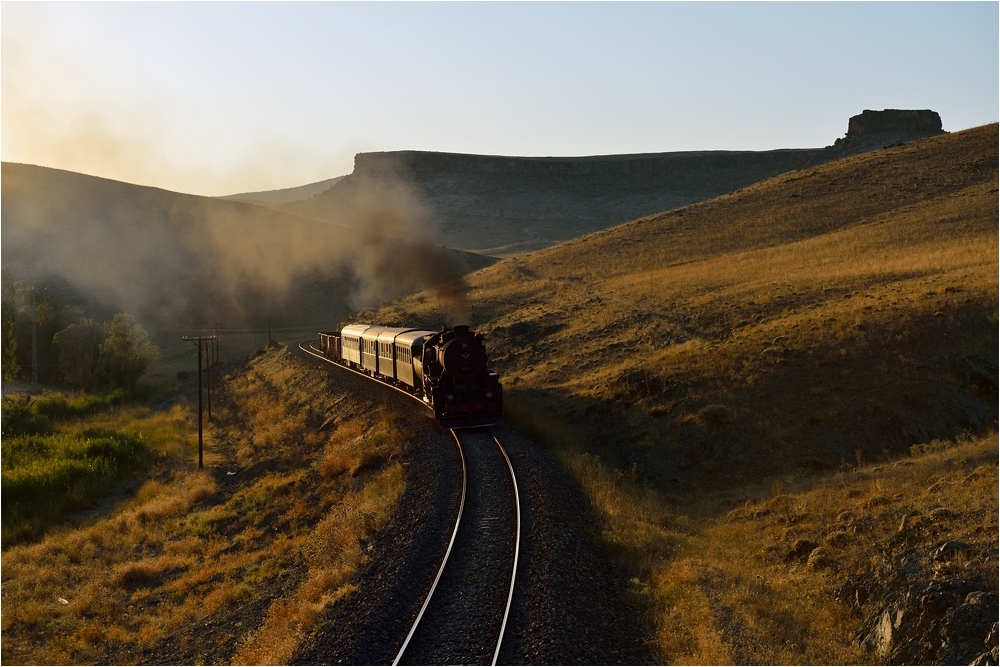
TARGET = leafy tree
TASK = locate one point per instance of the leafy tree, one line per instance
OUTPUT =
(8, 319)
(128, 350)
(81, 353)
(26, 308)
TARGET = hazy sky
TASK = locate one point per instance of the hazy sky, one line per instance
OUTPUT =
(218, 98)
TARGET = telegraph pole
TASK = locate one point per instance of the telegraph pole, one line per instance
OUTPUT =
(201, 447)
(208, 378)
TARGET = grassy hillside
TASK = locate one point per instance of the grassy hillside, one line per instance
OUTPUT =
(841, 312)
(506, 206)
(768, 352)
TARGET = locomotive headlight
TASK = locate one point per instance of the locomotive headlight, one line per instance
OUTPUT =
(489, 394)
(450, 398)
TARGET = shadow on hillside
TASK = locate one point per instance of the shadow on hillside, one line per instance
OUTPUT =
(696, 450)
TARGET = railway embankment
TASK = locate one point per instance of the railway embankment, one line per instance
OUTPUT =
(233, 563)
(309, 537)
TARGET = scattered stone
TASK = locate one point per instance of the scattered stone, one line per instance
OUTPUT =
(967, 627)
(819, 559)
(838, 539)
(845, 517)
(800, 550)
(942, 514)
(992, 655)
(913, 621)
(948, 550)
(876, 501)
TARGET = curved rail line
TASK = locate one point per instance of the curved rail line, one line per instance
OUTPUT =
(517, 547)
(444, 561)
(306, 347)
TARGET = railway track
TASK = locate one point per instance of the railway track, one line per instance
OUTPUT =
(465, 611)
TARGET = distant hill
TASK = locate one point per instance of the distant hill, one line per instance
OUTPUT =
(284, 195)
(181, 261)
(509, 205)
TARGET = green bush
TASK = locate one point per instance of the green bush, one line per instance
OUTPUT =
(19, 418)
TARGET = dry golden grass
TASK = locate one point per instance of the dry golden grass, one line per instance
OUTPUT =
(811, 292)
(258, 554)
(333, 554)
(771, 610)
(739, 347)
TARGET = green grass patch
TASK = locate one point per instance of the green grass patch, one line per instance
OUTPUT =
(58, 407)
(46, 476)
(28, 415)
(204, 524)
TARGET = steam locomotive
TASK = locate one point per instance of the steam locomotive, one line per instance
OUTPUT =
(446, 369)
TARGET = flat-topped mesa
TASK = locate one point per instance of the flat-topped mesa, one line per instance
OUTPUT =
(867, 130)
(873, 129)
(922, 121)
(504, 205)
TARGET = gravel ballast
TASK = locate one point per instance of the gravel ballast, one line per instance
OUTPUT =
(570, 601)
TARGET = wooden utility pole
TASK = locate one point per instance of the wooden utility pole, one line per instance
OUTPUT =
(208, 378)
(201, 446)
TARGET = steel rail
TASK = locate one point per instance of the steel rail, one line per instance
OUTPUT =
(444, 561)
(308, 349)
(517, 547)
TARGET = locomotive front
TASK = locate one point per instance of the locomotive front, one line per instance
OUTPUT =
(457, 379)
